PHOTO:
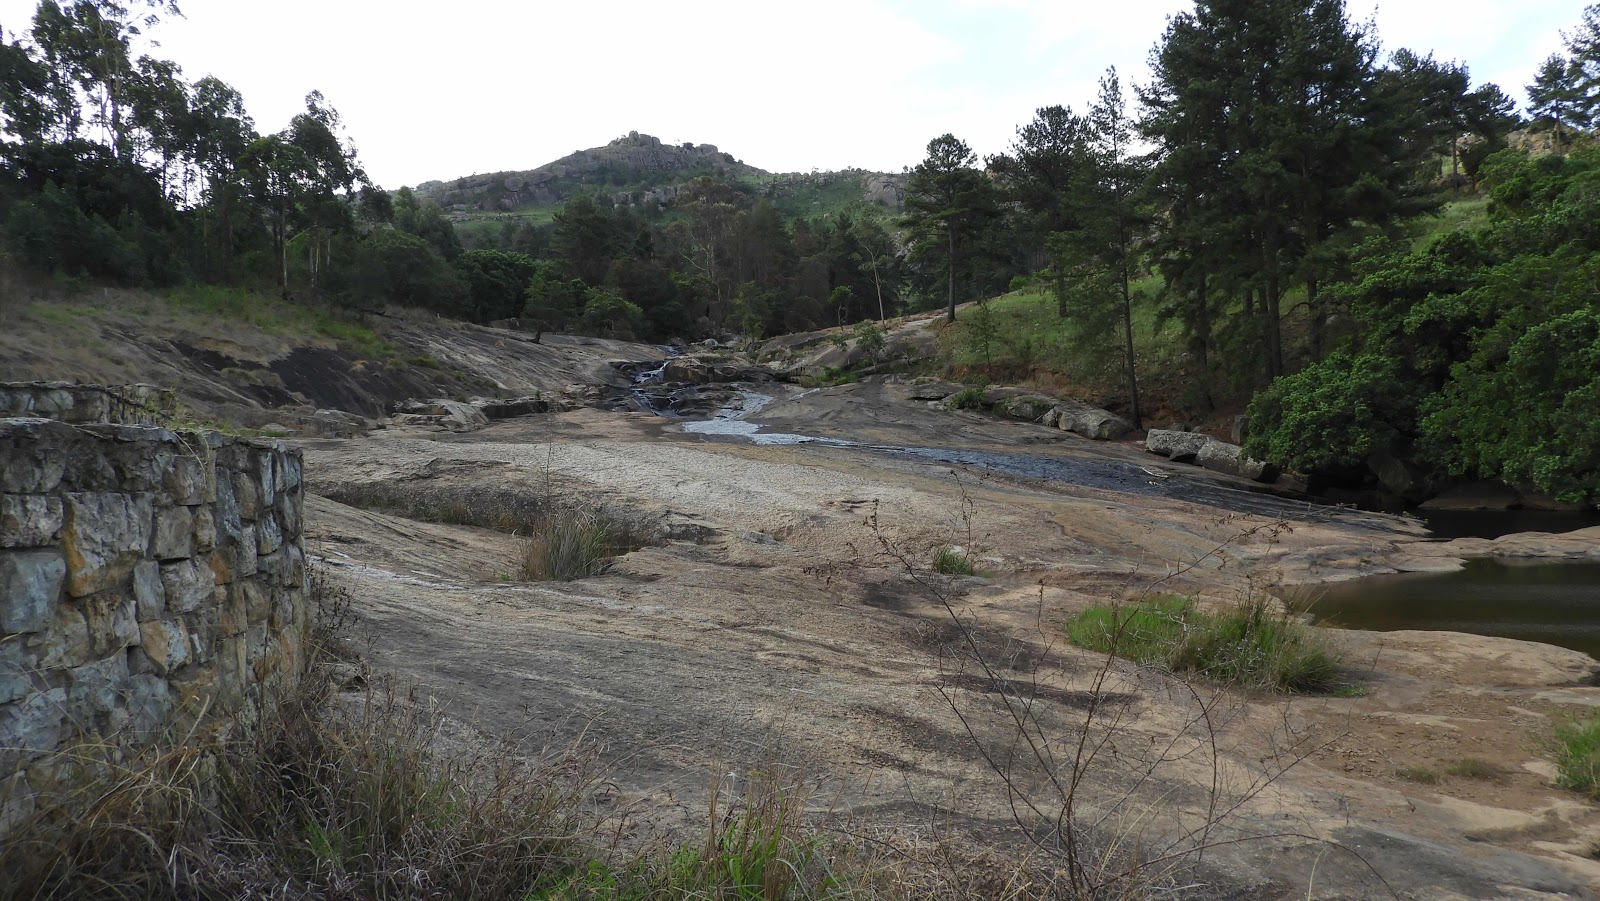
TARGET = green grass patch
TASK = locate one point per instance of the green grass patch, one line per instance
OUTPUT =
(279, 317)
(953, 561)
(1252, 645)
(1476, 768)
(1578, 756)
(1420, 775)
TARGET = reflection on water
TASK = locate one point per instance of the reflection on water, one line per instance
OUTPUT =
(1554, 603)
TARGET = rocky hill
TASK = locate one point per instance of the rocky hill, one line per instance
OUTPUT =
(642, 170)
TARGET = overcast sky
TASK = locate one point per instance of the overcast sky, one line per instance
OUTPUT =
(438, 90)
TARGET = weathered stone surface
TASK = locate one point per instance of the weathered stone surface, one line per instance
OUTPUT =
(1026, 407)
(65, 642)
(105, 535)
(118, 547)
(149, 703)
(187, 585)
(205, 530)
(1180, 447)
(94, 688)
(1489, 494)
(1220, 456)
(29, 520)
(1399, 477)
(266, 479)
(1090, 422)
(166, 643)
(16, 671)
(247, 494)
(268, 536)
(174, 534)
(113, 621)
(185, 481)
(257, 600)
(150, 597)
(33, 725)
(30, 583)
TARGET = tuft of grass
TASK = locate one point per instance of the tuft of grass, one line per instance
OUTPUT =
(1578, 756)
(1419, 774)
(567, 545)
(1476, 768)
(322, 796)
(1251, 645)
(953, 561)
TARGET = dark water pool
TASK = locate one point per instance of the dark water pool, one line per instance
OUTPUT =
(1554, 603)
(1494, 523)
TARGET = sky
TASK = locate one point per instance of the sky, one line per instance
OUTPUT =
(432, 90)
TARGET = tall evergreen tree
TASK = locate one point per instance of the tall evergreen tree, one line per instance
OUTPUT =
(1556, 98)
(947, 202)
(1273, 111)
(1045, 173)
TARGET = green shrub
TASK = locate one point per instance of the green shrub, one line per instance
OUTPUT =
(1252, 645)
(970, 398)
(1578, 756)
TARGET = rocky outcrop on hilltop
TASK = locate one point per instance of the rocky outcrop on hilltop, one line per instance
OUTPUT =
(630, 159)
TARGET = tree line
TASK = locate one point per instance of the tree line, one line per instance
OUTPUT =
(1275, 162)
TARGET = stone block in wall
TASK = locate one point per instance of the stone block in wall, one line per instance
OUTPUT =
(185, 481)
(94, 694)
(112, 618)
(105, 536)
(65, 641)
(225, 512)
(165, 643)
(30, 584)
(234, 617)
(148, 702)
(150, 596)
(205, 530)
(221, 563)
(246, 562)
(33, 725)
(33, 455)
(247, 495)
(266, 479)
(289, 516)
(257, 600)
(16, 672)
(187, 585)
(29, 520)
(174, 534)
(268, 536)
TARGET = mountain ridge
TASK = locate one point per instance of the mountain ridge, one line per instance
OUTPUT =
(639, 170)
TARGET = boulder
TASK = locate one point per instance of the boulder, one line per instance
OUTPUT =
(1026, 407)
(1090, 422)
(447, 415)
(1220, 456)
(931, 389)
(1399, 477)
(507, 408)
(1180, 447)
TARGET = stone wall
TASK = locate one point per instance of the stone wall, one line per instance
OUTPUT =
(150, 582)
(67, 402)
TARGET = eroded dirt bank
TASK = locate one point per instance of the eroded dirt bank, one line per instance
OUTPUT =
(777, 621)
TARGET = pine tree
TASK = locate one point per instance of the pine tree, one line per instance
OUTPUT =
(948, 201)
